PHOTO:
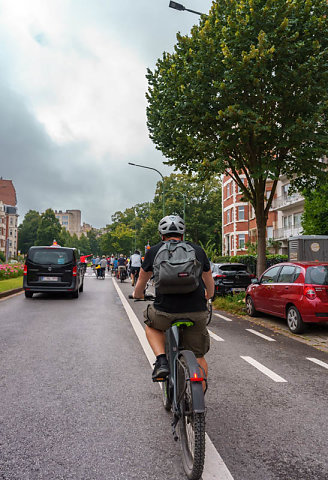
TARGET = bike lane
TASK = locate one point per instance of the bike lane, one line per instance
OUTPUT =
(266, 402)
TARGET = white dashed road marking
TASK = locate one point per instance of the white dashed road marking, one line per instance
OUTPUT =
(265, 370)
(216, 337)
(214, 468)
(224, 318)
(269, 339)
(319, 362)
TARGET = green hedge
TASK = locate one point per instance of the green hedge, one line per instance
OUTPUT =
(251, 260)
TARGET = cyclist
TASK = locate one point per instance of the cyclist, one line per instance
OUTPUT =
(169, 307)
(103, 263)
(135, 264)
(121, 264)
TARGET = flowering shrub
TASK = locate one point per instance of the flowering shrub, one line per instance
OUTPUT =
(11, 270)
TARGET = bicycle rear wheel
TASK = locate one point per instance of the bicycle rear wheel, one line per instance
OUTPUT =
(191, 425)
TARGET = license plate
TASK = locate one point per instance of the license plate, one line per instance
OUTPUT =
(49, 279)
(238, 289)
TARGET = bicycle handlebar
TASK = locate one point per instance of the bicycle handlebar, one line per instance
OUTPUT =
(145, 299)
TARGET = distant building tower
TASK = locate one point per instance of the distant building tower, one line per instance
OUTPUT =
(71, 220)
(8, 219)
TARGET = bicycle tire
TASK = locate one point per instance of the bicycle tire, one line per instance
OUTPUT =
(191, 426)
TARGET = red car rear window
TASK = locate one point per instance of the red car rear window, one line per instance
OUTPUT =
(317, 275)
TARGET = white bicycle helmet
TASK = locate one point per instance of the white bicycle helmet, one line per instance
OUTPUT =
(171, 224)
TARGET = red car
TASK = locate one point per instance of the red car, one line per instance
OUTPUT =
(297, 291)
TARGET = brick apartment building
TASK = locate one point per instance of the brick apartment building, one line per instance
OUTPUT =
(239, 223)
(8, 219)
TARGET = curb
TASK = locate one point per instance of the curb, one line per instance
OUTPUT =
(8, 293)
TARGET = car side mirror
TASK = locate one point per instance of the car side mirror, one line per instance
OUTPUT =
(255, 281)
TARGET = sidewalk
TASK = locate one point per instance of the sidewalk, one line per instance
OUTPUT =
(316, 335)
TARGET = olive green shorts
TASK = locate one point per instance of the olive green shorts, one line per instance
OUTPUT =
(195, 338)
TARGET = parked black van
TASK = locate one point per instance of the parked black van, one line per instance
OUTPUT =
(53, 269)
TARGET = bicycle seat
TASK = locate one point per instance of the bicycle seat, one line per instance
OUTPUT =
(182, 323)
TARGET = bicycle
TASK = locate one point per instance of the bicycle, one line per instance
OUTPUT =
(183, 394)
(122, 274)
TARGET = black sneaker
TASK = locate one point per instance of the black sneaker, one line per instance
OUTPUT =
(161, 370)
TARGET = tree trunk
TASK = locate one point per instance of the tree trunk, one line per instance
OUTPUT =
(261, 241)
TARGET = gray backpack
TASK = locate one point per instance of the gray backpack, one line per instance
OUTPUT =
(176, 268)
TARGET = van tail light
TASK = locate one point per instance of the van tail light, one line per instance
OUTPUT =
(220, 276)
(74, 271)
(309, 292)
(25, 270)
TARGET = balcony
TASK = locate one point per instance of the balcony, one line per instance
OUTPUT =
(287, 201)
(286, 232)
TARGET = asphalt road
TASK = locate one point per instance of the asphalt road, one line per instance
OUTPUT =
(77, 401)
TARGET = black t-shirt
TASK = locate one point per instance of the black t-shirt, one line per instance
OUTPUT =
(179, 303)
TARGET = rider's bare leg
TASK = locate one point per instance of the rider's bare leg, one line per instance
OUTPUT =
(156, 339)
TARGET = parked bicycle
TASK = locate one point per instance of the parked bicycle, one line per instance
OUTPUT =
(183, 394)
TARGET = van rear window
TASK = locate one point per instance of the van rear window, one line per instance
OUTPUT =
(50, 256)
(317, 275)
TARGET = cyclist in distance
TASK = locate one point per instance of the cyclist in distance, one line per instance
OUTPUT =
(170, 307)
(121, 263)
(135, 264)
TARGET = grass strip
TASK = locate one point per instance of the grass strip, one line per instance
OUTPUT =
(11, 283)
(231, 303)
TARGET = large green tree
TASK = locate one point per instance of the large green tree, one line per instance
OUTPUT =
(315, 217)
(27, 230)
(246, 93)
(49, 228)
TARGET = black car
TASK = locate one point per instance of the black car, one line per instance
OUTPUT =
(53, 269)
(229, 277)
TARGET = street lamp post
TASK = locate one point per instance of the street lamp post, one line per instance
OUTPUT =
(178, 6)
(151, 168)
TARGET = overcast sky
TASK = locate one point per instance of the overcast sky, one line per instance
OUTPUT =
(72, 100)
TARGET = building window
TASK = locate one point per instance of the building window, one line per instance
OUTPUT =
(297, 219)
(231, 240)
(241, 213)
(287, 221)
(269, 233)
(284, 190)
(241, 240)
(228, 216)
(228, 190)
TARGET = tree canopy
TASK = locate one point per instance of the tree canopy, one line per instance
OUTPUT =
(246, 92)
(27, 230)
(315, 217)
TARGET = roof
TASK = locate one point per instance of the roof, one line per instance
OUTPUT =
(7, 192)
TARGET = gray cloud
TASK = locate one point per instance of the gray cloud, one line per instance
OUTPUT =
(72, 107)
